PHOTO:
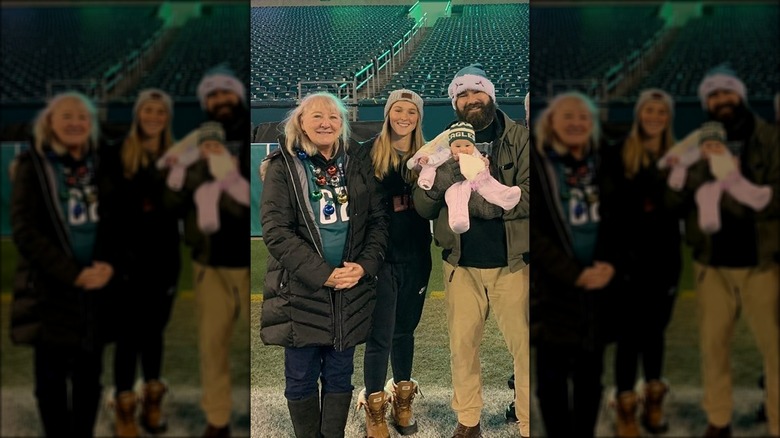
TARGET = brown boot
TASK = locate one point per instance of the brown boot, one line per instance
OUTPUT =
(125, 425)
(375, 405)
(216, 432)
(403, 396)
(627, 425)
(714, 431)
(653, 415)
(151, 412)
(463, 431)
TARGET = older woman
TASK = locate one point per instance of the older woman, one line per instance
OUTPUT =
(57, 302)
(146, 235)
(651, 231)
(574, 257)
(326, 232)
(404, 278)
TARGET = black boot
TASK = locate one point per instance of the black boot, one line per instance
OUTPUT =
(335, 410)
(305, 416)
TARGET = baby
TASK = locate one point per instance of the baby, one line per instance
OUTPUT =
(723, 166)
(223, 168)
(460, 139)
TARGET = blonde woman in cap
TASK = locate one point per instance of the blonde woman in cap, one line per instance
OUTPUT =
(403, 278)
(59, 299)
(145, 239)
(653, 264)
(326, 232)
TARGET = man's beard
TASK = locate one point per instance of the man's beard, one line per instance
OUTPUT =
(223, 113)
(721, 113)
(478, 119)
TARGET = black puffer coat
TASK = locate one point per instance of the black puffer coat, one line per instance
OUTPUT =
(298, 311)
(47, 308)
(563, 313)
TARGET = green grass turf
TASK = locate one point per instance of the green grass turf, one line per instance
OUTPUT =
(263, 367)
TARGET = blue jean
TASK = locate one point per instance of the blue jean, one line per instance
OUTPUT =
(303, 367)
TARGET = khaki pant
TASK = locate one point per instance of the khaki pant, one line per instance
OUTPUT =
(469, 297)
(724, 293)
(222, 295)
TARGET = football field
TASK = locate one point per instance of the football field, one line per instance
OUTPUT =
(262, 408)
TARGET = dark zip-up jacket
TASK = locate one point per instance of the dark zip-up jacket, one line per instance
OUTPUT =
(144, 233)
(647, 219)
(409, 233)
(298, 311)
(510, 156)
(47, 308)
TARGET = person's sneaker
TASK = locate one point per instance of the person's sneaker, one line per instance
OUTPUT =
(510, 414)
(462, 431)
(718, 432)
(761, 414)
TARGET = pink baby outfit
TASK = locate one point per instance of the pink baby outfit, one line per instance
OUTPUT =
(474, 167)
(723, 167)
(227, 179)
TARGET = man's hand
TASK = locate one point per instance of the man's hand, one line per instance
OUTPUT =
(446, 175)
(480, 208)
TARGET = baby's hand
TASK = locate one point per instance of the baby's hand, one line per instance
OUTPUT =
(422, 160)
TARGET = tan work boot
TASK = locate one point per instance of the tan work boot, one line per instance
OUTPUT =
(151, 410)
(125, 425)
(403, 395)
(626, 405)
(652, 414)
(375, 405)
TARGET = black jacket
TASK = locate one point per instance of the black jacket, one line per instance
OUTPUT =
(143, 233)
(47, 308)
(647, 219)
(298, 311)
(563, 313)
(409, 233)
